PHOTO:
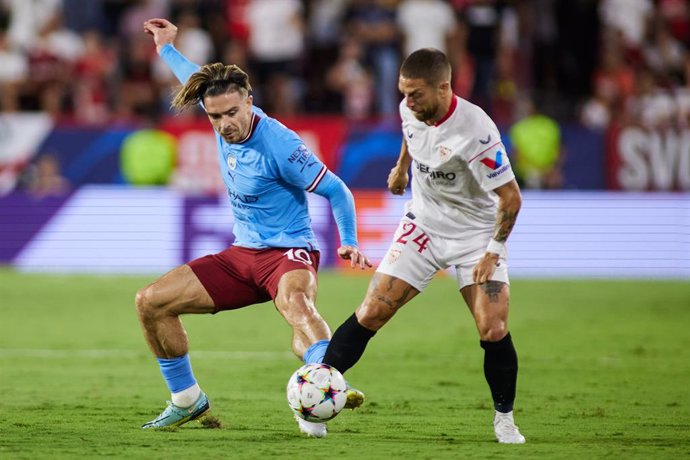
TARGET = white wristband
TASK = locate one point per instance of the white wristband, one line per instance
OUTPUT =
(495, 247)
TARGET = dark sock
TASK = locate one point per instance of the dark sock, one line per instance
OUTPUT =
(347, 344)
(500, 370)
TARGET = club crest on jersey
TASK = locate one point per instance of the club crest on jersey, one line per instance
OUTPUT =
(444, 153)
(393, 255)
(232, 162)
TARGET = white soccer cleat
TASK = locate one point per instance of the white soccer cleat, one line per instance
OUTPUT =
(312, 429)
(505, 429)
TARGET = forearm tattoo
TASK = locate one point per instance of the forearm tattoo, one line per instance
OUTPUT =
(492, 290)
(504, 225)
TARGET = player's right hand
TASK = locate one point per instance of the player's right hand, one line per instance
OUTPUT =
(163, 31)
(397, 180)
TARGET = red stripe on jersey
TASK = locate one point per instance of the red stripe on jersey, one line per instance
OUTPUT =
(451, 109)
(483, 151)
(317, 180)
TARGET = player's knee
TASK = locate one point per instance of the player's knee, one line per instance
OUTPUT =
(300, 299)
(146, 305)
(373, 314)
(298, 308)
(492, 331)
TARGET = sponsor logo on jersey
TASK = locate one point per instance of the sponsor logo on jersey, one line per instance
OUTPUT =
(497, 167)
(239, 200)
(488, 139)
(232, 162)
(434, 174)
(493, 164)
(410, 134)
(302, 156)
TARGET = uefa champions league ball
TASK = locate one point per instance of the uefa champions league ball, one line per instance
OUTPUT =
(316, 392)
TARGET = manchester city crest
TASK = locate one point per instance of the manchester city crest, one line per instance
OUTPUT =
(232, 162)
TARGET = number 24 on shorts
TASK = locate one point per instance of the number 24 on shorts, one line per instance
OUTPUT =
(421, 239)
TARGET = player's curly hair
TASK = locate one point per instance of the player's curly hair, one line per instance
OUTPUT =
(428, 64)
(211, 80)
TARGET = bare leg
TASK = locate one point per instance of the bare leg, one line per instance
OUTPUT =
(489, 303)
(386, 295)
(159, 305)
(295, 301)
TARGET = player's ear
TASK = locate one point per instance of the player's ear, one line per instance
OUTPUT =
(444, 87)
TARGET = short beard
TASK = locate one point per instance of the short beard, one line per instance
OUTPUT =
(426, 115)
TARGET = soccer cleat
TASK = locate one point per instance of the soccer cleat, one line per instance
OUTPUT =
(355, 398)
(505, 429)
(312, 429)
(175, 416)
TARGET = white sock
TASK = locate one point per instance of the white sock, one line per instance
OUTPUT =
(186, 398)
(508, 415)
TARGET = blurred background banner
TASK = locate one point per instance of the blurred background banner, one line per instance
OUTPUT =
(648, 159)
(114, 229)
(361, 154)
(21, 134)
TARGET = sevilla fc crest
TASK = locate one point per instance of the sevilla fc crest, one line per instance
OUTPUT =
(393, 255)
(444, 153)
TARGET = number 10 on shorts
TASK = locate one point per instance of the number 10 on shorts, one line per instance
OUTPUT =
(420, 238)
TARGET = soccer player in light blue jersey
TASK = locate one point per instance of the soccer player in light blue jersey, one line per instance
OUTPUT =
(267, 171)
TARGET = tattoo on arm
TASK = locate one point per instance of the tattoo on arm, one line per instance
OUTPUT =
(504, 225)
(492, 290)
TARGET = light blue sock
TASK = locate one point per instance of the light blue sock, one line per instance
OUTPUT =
(316, 352)
(177, 373)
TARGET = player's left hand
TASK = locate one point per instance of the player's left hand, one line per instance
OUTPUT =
(355, 257)
(485, 268)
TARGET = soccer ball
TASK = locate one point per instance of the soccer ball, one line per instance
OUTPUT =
(316, 392)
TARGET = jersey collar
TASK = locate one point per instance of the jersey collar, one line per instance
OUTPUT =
(451, 109)
(252, 128)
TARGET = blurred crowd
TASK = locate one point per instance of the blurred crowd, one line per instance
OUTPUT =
(593, 61)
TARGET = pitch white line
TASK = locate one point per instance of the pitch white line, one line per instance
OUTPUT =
(112, 353)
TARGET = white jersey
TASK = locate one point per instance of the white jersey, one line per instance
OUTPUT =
(456, 165)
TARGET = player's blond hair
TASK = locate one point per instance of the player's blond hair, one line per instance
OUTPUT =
(428, 64)
(211, 80)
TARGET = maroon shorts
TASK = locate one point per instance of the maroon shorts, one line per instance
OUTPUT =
(238, 277)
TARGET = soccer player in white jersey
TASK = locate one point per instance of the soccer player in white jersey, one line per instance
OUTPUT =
(465, 201)
(267, 171)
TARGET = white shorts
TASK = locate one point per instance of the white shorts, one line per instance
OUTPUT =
(415, 256)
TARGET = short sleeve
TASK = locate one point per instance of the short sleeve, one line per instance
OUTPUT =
(491, 167)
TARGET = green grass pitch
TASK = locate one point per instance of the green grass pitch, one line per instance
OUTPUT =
(604, 373)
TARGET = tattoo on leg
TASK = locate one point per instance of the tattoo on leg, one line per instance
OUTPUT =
(392, 303)
(492, 289)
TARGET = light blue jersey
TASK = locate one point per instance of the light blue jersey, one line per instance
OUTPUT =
(267, 178)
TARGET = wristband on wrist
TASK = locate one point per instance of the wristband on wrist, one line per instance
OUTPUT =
(495, 247)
